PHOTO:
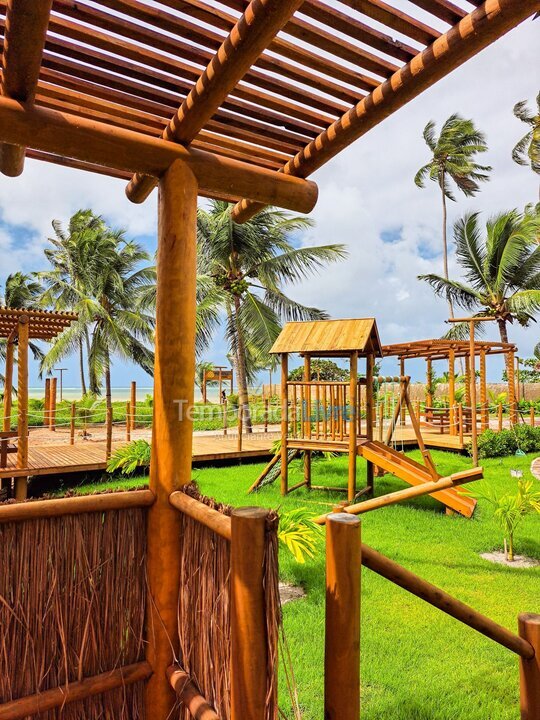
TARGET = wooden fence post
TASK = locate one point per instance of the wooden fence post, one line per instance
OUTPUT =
(52, 411)
(500, 416)
(133, 404)
(47, 408)
(342, 627)
(529, 670)
(381, 420)
(460, 421)
(249, 641)
(240, 424)
(266, 415)
(128, 421)
(21, 483)
(225, 418)
(72, 423)
(531, 415)
(109, 422)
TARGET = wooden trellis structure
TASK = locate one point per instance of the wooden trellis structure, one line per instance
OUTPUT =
(241, 104)
(18, 327)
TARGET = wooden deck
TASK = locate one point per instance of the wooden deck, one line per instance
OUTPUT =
(60, 459)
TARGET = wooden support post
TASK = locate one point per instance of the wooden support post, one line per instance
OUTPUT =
(249, 642)
(510, 365)
(133, 404)
(47, 409)
(403, 411)
(22, 404)
(240, 427)
(170, 467)
(351, 494)
(484, 407)
(452, 391)
(381, 420)
(467, 381)
(128, 421)
(529, 669)
(284, 423)
(8, 385)
(52, 406)
(518, 379)
(531, 415)
(460, 423)
(369, 416)
(342, 626)
(500, 416)
(72, 423)
(109, 428)
(225, 418)
(429, 394)
(266, 415)
(306, 410)
(204, 395)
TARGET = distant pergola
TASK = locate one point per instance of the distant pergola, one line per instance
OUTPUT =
(18, 327)
(450, 350)
(241, 104)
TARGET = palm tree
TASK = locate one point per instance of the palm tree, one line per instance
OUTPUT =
(527, 150)
(111, 279)
(502, 269)
(453, 159)
(247, 266)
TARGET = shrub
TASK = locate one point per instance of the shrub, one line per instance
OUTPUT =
(508, 441)
(130, 457)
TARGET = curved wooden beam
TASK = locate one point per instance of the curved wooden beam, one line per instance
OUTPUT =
(471, 35)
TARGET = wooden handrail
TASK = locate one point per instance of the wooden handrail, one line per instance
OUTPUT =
(189, 694)
(13, 512)
(72, 692)
(212, 519)
(440, 599)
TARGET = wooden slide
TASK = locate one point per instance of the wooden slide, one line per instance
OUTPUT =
(414, 473)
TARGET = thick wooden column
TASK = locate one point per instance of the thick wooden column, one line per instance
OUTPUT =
(510, 367)
(369, 415)
(284, 423)
(8, 385)
(483, 392)
(22, 404)
(452, 391)
(352, 426)
(170, 466)
(529, 670)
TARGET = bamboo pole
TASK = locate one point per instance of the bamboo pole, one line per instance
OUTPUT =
(109, 428)
(212, 519)
(452, 391)
(249, 643)
(240, 427)
(284, 423)
(483, 392)
(307, 419)
(510, 365)
(500, 416)
(189, 695)
(21, 483)
(369, 416)
(342, 624)
(75, 505)
(225, 418)
(529, 668)
(8, 384)
(52, 412)
(352, 426)
(170, 466)
(34, 705)
(133, 404)
(72, 423)
(440, 599)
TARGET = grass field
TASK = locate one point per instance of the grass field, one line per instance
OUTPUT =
(417, 663)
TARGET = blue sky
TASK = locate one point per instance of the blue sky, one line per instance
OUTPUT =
(368, 201)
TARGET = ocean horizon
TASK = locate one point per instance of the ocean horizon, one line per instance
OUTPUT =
(121, 393)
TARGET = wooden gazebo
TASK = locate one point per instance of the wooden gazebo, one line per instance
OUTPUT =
(241, 104)
(18, 327)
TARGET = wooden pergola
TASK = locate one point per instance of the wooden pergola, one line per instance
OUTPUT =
(242, 104)
(450, 350)
(18, 327)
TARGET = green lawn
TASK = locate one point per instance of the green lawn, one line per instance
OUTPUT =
(417, 663)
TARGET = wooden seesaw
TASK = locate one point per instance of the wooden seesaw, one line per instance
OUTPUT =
(337, 417)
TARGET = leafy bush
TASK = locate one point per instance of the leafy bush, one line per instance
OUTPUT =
(130, 457)
(298, 533)
(506, 442)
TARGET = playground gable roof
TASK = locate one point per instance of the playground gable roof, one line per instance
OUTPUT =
(329, 337)
(43, 325)
(440, 349)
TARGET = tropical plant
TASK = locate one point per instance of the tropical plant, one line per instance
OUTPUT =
(510, 509)
(130, 457)
(246, 266)
(527, 150)
(453, 155)
(502, 270)
(100, 275)
(298, 533)
(200, 369)
(321, 370)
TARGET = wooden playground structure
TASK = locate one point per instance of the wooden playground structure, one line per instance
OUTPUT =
(242, 104)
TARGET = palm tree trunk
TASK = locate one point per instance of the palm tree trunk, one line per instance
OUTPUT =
(445, 242)
(241, 371)
(503, 332)
(108, 391)
(81, 363)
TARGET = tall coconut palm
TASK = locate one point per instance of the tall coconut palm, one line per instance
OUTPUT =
(248, 266)
(452, 160)
(501, 269)
(527, 150)
(107, 299)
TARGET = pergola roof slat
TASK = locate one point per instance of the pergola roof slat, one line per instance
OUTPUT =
(394, 19)
(42, 324)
